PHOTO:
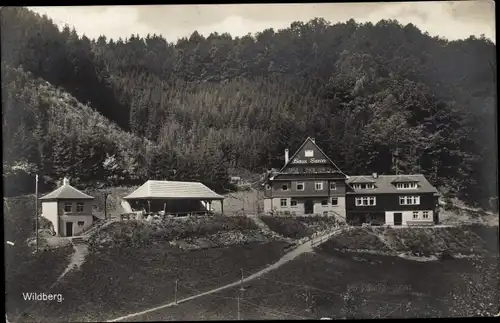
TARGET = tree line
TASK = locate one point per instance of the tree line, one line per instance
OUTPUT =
(369, 93)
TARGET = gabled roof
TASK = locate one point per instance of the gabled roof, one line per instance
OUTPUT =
(384, 184)
(309, 139)
(360, 179)
(173, 190)
(67, 192)
(404, 179)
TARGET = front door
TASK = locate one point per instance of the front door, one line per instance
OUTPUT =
(69, 229)
(398, 218)
(309, 206)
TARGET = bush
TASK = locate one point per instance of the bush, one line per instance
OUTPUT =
(135, 232)
(446, 255)
(287, 227)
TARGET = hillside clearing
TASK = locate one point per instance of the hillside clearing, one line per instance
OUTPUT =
(116, 281)
(346, 285)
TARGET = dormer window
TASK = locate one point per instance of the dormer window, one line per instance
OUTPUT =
(406, 186)
(309, 153)
(284, 187)
(363, 186)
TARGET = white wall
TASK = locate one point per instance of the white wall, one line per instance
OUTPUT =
(407, 216)
(49, 211)
(87, 219)
(270, 204)
(87, 206)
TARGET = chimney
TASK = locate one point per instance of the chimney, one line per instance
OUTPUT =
(65, 181)
(313, 140)
(374, 175)
(286, 156)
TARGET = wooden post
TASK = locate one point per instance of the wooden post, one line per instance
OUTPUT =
(175, 291)
(239, 308)
(222, 206)
(149, 206)
(241, 282)
(36, 210)
(105, 206)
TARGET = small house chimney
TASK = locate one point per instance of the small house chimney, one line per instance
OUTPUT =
(65, 181)
(286, 155)
(374, 175)
(313, 140)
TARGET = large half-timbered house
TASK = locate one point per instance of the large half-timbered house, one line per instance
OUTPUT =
(311, 183)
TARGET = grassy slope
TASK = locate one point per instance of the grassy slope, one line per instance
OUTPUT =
(426, 241)
(298, 227)
(117, 281)
(24, 271)
(377, 285)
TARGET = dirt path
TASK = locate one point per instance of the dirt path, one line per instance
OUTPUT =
(303, 248)
(77, 260)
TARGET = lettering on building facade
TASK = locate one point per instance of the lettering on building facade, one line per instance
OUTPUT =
(309, 161)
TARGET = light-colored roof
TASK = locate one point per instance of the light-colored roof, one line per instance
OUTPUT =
(67, 192)
(173, 190)
(361, 179)
(384, 184)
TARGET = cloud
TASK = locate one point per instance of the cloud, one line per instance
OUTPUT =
(449, 19)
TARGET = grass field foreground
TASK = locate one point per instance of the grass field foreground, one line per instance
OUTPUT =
(346, 285)
(117, 281)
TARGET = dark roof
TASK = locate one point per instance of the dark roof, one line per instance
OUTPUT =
(67, 192)
(403, 179)
(308, 139)
(384, 184)
(173, 190)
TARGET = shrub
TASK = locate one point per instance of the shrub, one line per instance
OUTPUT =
(287, 227)
(446, 255)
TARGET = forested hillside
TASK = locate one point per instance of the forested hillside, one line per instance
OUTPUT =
(368, 93)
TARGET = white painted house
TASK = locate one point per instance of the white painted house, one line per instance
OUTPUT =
(69, 210)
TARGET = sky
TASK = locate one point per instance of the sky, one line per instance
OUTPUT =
(448, 19)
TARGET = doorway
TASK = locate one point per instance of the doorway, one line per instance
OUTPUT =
(398, 218)
(69, 229)
(308, 206)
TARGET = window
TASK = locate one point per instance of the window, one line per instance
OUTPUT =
(284, 187)
(363, 186)
(333, 186)
(409, 200)
(318, 186)
(309, 153)
(293, 203)
(425, 214)
(79, 207)
(81, 223)
(415, 214)
(324, 203)
(300, 186)
(268, 187)
(68, 207)
(335, 201)
(365, 201)
(283, 202)
(405, 186)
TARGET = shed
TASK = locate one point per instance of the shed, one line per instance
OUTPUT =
(174, 196)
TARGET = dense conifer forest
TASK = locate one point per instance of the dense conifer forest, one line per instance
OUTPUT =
(119, 111)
